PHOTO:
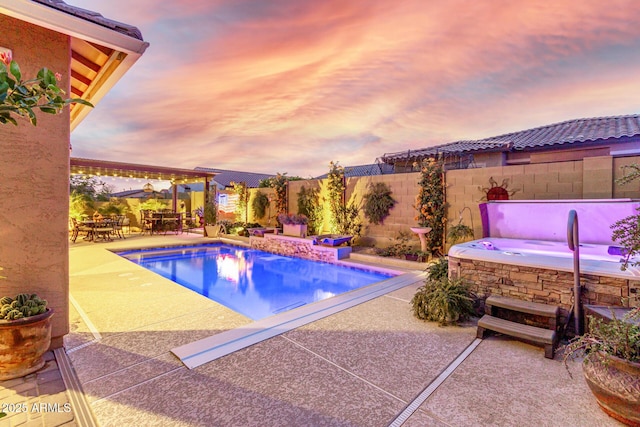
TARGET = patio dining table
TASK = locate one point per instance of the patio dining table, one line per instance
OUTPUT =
(165, 221)
(99, 229)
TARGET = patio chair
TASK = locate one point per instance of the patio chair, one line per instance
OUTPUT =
(126, 223)
(188, 222)
(103, 231)
(171, 222)
(79, 228)
(146, 222)
(117, 226)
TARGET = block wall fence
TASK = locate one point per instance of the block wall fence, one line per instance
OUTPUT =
(590, 178)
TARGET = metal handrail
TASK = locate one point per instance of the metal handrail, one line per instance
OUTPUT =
(573, 240)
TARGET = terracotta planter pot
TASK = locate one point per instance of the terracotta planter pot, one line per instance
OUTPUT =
(23, 342)
(615, 383)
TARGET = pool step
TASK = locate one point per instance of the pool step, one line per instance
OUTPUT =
(545, 336)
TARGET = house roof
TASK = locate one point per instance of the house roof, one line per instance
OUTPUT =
(364, 170)
(95, 17)
(225, 177)
(102, 50)
(564, 133)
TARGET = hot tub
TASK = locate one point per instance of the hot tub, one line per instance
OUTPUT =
(595, 259)
(524, 253)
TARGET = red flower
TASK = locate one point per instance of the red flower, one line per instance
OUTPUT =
(5, 57)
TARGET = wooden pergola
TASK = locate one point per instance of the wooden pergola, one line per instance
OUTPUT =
(79, 166)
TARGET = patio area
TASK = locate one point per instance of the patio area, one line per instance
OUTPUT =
(370, 365)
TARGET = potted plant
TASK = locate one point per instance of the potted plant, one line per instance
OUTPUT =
(398, 248)
(25, 334)
(294, 224)
(611, 365)
(411, 254)
(210, 216)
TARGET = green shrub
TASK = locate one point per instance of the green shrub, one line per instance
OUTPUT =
(445, 301)
(439, 269)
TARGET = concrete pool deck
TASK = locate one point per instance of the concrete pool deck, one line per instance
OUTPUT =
(360, 367)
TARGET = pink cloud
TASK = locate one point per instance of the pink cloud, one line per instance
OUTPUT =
(299, 83)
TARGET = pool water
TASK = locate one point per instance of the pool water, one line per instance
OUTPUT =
(254, 283)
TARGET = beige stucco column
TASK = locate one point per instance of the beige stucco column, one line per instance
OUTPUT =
(34, 182)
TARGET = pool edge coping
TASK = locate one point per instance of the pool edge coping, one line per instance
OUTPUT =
(215, 346)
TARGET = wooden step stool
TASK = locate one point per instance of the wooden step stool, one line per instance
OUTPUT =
(547, 337)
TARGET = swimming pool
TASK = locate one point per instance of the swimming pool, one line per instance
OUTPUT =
(254, 283)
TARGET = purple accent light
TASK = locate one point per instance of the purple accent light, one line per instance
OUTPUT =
(547, 219)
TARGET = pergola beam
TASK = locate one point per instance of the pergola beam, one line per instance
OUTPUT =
(132, 170)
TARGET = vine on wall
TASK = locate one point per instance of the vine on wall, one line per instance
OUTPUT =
(310, 206)
(431, 205)
(240, 188)
(345, 219)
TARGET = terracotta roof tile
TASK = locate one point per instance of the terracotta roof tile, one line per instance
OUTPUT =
(568, 132)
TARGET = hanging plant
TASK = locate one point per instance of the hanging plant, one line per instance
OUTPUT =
(460, 231)
(259, 204)
(378, 202)
(431, 205)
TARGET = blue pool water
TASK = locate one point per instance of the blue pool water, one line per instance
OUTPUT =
(254, 283)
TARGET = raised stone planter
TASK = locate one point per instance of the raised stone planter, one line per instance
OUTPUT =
(299, 247)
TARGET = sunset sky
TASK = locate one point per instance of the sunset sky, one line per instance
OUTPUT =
(289, 85)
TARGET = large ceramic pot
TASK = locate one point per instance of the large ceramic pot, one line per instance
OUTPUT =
(615, 383)
(23, 342)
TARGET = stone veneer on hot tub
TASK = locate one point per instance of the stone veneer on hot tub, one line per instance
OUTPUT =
(298, 247)
(524, 253)
(539, 284)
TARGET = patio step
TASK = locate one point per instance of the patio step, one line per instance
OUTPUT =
(547, 337)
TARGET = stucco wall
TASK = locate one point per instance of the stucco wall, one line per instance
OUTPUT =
(34, 182)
